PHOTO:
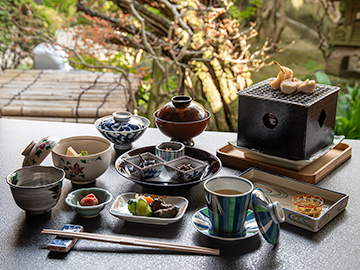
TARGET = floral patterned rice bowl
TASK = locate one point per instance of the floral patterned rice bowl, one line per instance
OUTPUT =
(83, 169)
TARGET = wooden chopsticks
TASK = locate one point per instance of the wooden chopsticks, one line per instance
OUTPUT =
(132, 241)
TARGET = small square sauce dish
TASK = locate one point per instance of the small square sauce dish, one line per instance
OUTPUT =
(144, 166)
(121, 210)
(185, 169)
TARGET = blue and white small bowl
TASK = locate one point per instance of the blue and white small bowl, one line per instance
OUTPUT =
(142, 173)
(185, 176)
(170, 150)
(122, 128)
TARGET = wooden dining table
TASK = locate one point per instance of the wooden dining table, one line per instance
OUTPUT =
(335, 246)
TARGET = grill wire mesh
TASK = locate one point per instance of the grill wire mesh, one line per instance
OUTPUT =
(263, 90)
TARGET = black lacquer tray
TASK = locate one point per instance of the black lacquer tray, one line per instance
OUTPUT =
(214, 166)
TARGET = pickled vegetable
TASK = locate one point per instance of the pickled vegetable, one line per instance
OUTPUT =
(148, 199)
(132, 205)
(148, 206)
(139, 207)
(89, 200)
(143, 208)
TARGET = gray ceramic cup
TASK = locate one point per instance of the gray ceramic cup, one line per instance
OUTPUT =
(170, 150)
(36, 189)
(228, 199)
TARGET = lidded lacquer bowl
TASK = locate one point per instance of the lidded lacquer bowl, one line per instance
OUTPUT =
(122, 128)
(182, 119)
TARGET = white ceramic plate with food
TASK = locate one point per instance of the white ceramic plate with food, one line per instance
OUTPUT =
(120, 209)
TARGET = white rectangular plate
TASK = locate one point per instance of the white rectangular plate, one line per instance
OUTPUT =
(120, 210)
(282, 189)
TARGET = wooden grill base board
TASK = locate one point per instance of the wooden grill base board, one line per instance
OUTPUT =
(311, 173)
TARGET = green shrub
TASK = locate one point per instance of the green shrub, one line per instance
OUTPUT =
(348, 113)
(348, 108)
(65, 7)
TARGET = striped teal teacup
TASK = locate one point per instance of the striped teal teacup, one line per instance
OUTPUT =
(228, 199)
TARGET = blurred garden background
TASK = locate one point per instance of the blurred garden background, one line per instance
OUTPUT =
(208, 50)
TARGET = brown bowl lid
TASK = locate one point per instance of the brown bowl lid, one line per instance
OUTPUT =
(182, 109)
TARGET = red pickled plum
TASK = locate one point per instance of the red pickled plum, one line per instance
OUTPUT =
(89, 200)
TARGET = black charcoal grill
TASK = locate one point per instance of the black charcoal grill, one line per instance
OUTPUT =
(292, 126)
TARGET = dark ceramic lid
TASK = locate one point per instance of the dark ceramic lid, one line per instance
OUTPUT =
(268, 215)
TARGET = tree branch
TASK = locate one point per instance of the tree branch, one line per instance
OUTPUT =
(120, 25)
(148, 47)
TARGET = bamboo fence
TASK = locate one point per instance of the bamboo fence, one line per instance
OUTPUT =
(71, 96)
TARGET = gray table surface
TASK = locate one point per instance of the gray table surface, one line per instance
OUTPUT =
(336, 246)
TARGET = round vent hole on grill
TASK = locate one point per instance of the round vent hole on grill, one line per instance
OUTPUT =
(270, 120)
(322, 118)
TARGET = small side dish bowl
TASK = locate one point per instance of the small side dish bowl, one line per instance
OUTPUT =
(136, 167)
(36, 189)
(82, 170)
(170, 150)
(310, 205)
(122, 128)
(73, 200)
(185, 169)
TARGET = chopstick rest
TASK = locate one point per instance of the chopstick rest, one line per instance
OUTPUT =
(61, 244)
(132, 241)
